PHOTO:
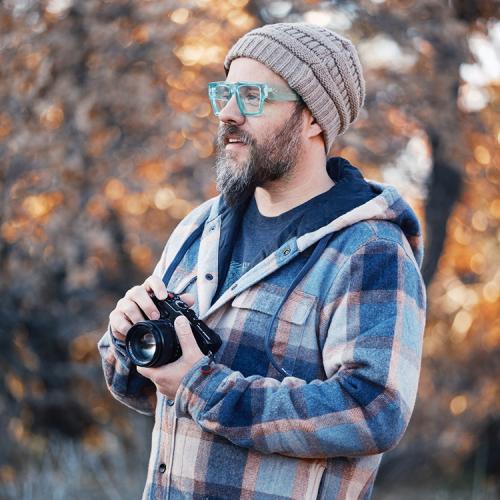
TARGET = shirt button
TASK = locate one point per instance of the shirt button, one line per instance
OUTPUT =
(162, 468)
(286, 251)
(206, 369)
(170, 402)
(209, 276)
(234, 286)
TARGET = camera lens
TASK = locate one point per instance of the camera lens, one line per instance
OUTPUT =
(146, 346)
(152, 343)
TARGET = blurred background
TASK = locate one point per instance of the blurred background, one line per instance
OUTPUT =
(106, 142)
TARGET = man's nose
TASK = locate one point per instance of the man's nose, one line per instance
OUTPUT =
(231, 113)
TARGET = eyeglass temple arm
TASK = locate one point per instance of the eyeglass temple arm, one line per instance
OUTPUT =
(282, 95)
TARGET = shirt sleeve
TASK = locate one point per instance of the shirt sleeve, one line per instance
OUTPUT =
(371, 358)
(121, 376)
(123, 381)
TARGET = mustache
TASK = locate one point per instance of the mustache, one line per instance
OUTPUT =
(226, 131)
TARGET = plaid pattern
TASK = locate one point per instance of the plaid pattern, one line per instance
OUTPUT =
(350, 333)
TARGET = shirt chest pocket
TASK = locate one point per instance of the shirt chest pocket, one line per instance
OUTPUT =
(254, 311)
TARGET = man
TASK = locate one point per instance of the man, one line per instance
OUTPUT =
(310, 276)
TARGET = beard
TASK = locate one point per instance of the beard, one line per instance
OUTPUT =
(275, 158)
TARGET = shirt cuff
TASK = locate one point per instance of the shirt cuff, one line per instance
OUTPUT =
(120, 350)
(198, 387)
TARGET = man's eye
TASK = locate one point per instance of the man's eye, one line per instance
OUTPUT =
(250, 94)
(222, 93)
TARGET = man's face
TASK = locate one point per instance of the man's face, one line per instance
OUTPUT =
(267, 147)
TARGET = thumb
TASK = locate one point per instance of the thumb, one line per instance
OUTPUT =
(185, 335)
(146, 372)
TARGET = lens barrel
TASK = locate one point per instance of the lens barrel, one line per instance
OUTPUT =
(152, 343)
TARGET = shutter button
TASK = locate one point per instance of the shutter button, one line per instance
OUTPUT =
(162, 468)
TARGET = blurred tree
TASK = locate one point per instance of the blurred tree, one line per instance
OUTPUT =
(104, 147)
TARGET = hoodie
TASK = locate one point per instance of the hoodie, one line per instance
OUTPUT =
(318, 371)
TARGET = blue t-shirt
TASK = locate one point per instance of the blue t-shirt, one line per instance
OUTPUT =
(256, 233)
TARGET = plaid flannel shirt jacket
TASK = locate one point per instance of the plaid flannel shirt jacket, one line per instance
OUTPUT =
(350, 333)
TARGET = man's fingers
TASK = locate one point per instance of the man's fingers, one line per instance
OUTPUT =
(185, 336)
(119, 324)
(138, 295)
(155, 285)
(129, 309)
(137, 305)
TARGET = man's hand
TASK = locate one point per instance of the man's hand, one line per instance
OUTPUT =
(137, 306)
(167, 378)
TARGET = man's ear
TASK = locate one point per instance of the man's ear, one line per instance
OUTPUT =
(312, 128)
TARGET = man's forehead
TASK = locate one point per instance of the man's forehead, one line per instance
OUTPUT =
(247, 69)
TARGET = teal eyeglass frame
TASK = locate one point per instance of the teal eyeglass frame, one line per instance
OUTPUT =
(267, 93)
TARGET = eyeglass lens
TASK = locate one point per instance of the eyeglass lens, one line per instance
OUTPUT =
(249, 97)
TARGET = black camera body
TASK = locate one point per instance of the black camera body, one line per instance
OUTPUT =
(155, 343)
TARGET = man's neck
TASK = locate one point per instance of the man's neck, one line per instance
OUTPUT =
(305, 182)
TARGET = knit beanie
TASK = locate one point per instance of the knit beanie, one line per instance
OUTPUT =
(321, 66)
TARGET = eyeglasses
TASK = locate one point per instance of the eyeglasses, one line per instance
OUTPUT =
(250, 96)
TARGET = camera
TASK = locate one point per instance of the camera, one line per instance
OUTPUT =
(155, 343)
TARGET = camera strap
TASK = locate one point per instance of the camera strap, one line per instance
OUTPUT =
(183, 250)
